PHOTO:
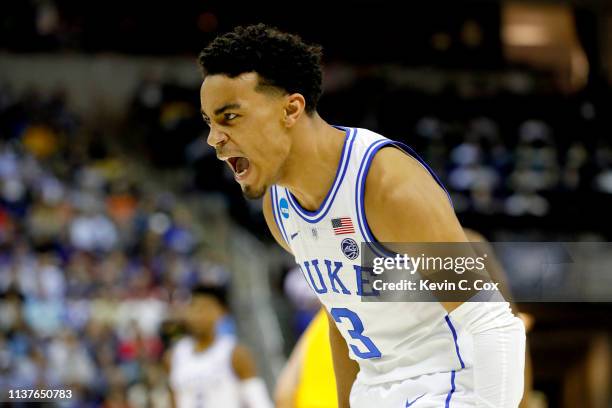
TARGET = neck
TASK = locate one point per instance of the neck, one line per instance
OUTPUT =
(203, 341)
(313, 160)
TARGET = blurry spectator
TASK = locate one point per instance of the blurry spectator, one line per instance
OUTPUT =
(575, 160)
(43, 314)
(48, 218)
(11, 303)
(136, 350)
(50, 277)
(70, 361)
(40, 140)
(91, 230)
(209, 369)
(603, 180)
(526, 203)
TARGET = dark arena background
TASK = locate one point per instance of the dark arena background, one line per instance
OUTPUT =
(112, 205)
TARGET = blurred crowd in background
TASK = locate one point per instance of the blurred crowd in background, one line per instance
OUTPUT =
(107, 222)
(92, 257)
(502, 146)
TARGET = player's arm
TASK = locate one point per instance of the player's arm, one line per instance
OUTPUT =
(345, 369)
(269, 216)
(403, 203)
(496, 271)
(252, 388)
(483, 248)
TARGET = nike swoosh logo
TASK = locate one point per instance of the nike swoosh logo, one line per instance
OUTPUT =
(294, 235)
(409, 403)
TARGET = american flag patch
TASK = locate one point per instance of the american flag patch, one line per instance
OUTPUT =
(342, 225)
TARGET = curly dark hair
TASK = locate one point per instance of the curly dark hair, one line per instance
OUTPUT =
(216, 291)
(283, 61)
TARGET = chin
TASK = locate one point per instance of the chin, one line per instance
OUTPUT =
(253, 193)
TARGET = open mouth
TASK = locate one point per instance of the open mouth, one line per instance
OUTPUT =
(240, 166)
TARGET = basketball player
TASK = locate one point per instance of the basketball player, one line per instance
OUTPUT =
(307, 379)
(328, 188)
(208, 370)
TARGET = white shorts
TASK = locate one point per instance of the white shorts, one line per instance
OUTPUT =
(441, 390)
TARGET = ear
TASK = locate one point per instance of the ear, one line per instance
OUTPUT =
(294, 107)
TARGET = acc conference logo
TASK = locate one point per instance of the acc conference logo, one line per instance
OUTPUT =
(350, 249)
(284, 207)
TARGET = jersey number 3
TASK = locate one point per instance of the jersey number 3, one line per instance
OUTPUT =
(339, 313)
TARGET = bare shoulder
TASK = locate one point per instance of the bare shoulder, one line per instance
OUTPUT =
(393, 173)
(243, 362)
(404, 203)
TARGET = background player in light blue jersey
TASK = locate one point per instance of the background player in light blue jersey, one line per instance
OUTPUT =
(324, 186)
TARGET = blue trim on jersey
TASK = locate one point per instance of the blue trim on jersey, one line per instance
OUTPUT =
(378, 249)
(275, 211)
(452, 390)
(313, 217)
(415, 155)
(372, 243)
(452, 329)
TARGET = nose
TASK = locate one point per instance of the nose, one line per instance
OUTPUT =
(216, 137)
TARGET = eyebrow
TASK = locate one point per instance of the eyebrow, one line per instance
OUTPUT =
(223, 108)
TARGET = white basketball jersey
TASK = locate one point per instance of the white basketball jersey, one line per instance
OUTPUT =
(390, 341)
(204, 379)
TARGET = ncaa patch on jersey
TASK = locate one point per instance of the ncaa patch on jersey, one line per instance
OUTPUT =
(349, 248)
(284, 207)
